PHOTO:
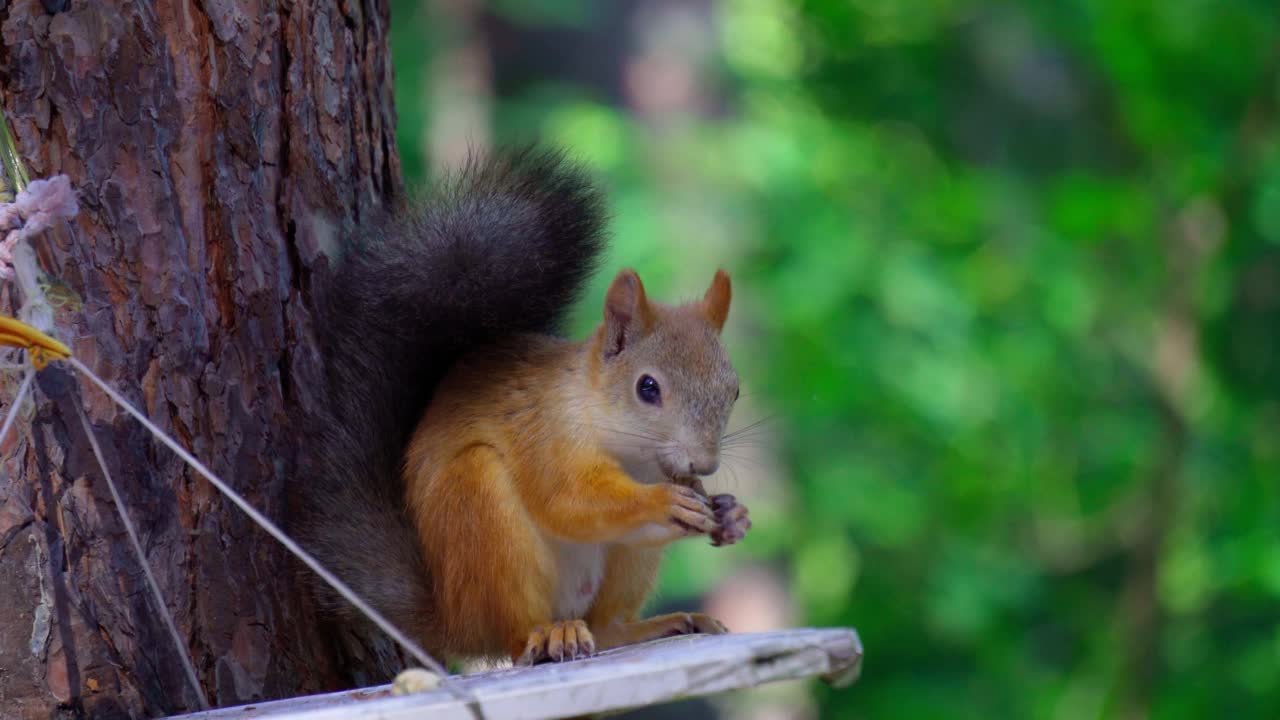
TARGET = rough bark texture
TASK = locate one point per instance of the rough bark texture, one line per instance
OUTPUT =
(201, 137)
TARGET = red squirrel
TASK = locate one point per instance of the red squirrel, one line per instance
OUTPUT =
(493, 489)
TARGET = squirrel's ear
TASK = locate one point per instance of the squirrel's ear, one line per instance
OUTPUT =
(715, 304)
(626, 313)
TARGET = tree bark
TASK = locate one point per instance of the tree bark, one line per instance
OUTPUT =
(201, 137)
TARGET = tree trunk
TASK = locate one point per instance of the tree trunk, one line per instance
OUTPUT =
(200, 138)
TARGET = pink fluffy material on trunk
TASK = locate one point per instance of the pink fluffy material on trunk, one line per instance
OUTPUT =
(34, 210)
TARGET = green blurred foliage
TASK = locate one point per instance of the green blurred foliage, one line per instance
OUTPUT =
(1007, 276)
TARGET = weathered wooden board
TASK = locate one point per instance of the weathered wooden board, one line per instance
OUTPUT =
(629, 677)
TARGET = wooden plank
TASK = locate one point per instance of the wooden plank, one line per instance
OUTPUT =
(628, 677)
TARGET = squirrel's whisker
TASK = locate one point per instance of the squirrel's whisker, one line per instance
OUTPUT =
(756, 426)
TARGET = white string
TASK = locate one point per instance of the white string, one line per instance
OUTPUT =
(16, 407)
(347, 593)
(156, 594)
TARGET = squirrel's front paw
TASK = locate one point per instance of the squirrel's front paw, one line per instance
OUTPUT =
(732, 520)
(557, 642)
(688, 511)
(673, 512)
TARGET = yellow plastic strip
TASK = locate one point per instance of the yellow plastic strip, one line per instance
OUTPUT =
(41, 348)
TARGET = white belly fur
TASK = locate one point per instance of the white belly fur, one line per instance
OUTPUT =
(580, 571)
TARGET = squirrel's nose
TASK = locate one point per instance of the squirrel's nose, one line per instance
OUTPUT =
(704, 465)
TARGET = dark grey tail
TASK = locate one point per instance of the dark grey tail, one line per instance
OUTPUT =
(502, 248)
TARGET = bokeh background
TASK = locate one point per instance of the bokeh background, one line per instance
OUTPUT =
(1007, 307)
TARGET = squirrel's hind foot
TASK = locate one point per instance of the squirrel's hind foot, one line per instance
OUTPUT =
(558, 642)
(661, 626)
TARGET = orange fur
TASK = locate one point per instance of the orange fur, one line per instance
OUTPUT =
(517, 483)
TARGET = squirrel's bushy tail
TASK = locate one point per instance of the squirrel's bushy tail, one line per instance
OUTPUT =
(502, 247)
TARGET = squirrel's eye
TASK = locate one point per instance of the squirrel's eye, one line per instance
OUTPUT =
(648, 391)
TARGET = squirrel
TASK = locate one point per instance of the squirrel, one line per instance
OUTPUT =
(494, 489)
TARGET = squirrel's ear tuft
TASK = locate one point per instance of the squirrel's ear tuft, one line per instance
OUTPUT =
(715, 304)
(626, 313)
